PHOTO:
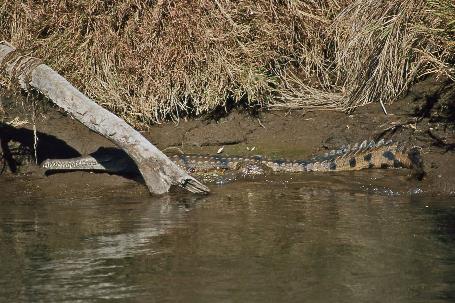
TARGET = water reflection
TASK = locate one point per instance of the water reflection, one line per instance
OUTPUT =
(318, 239)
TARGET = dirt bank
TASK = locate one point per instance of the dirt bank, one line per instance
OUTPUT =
(424, 117)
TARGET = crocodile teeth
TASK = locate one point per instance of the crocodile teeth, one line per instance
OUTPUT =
(371, 144)
(332, 152)
(355, 147)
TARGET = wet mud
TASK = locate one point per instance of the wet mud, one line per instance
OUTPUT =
(424, 117)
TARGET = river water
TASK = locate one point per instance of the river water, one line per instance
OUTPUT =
(361, 237)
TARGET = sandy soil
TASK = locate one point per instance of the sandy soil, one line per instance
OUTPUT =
(424, 117)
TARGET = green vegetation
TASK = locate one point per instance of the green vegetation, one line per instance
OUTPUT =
(152, 60)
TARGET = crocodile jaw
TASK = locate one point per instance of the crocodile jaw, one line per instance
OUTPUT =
(83, 163)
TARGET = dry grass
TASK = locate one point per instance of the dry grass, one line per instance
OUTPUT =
(153, 60)
(375, 50)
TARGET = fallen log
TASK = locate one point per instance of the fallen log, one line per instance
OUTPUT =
(158, 171)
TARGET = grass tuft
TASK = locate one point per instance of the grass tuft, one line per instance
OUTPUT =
(153, 60)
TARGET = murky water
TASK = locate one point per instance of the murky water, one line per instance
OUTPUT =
(342, 238)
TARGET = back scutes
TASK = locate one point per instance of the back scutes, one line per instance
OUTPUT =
(371, 154)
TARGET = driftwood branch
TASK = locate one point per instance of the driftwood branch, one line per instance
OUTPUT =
(158, 171)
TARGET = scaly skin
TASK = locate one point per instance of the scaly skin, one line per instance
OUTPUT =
(366, 155)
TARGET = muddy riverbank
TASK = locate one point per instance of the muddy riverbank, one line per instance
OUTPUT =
(424, 118)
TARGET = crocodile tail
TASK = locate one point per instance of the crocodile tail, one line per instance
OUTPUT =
(369, 155)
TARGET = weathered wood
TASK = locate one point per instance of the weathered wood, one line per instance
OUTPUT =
(158, 171)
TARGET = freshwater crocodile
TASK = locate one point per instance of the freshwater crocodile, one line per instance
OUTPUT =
(371, 154)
